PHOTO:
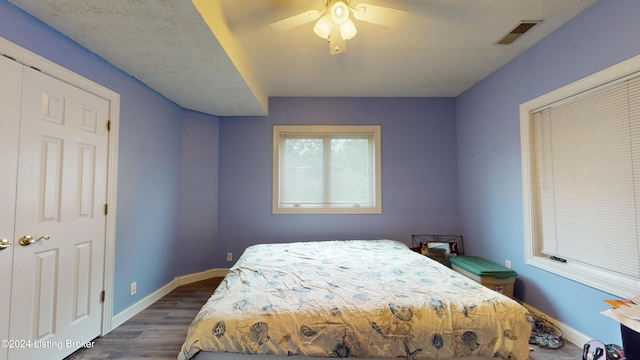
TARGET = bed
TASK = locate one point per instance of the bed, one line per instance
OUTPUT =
(353, 298)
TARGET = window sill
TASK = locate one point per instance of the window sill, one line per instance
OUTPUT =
(327, 211)
(615, 284)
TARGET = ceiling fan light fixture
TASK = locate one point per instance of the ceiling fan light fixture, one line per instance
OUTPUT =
(339, 12)
(323, 27)
(334, 24)
(348, 30)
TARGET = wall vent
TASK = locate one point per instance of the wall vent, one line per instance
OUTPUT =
(516, 33)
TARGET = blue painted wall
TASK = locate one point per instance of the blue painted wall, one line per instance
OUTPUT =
(419, 178)
(490, 182)
(150, 168)
(198, 237)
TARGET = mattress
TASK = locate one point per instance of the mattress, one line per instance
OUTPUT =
(354, 298)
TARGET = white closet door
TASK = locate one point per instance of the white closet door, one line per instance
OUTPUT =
(10, 83)
(61, 190)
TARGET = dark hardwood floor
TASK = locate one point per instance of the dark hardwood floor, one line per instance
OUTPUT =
(159, 331)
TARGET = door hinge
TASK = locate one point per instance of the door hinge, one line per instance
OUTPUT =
(108, 125)
(106, 209)
(102, 295)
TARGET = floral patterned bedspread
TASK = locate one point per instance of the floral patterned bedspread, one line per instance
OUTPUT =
(355, 298)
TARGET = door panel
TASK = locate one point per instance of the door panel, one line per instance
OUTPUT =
(61, 189)
(82, 282)
(45, 295)
(10, 80)
(51, 165)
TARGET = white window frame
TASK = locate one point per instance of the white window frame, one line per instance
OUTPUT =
(615, 284)
(279, 130)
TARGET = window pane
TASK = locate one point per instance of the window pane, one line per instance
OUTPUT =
(303, 178)
(350, 181)
(581, 179)
(326, 169)
(593, 196)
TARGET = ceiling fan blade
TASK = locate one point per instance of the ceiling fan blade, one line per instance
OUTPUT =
(296, 20)
(379, 15)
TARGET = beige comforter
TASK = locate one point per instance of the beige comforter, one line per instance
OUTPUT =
(355, 298)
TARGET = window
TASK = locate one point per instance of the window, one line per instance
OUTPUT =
(581, 180)
(326, 170)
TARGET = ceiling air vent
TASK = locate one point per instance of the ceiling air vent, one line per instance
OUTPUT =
(516, 33)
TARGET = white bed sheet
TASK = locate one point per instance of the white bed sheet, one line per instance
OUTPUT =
(207, 355)
(354, 298)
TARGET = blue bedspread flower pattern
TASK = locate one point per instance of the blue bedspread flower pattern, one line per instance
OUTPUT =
(355, 298)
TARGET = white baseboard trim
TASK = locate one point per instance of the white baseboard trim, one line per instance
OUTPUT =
(134, 309)
(207, 274)
(568, 333)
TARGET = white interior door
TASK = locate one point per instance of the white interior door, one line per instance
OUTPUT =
(10, 80)
(61, 190)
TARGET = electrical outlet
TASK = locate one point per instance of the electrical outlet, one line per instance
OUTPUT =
(229, 256)
(133, 288)
(507, 263)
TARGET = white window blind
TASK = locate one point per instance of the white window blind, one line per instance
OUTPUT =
(326, 169)
(586, 154)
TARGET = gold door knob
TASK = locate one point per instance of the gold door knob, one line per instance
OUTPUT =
(4, 243)
(28, 239)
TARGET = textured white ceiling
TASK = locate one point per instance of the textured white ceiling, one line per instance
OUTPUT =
(227, 61)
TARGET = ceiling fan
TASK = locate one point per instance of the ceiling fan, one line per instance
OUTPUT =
(334, 23)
